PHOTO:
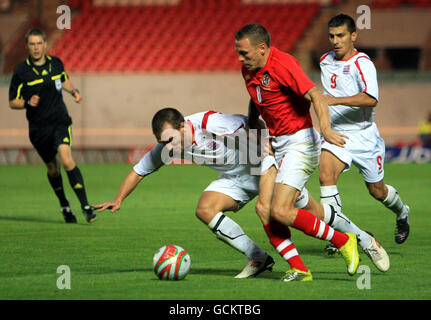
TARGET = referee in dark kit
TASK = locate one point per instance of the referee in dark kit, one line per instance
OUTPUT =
(36, 86)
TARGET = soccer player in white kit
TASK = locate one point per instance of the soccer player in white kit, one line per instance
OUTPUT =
(350, 85)
(197, 138)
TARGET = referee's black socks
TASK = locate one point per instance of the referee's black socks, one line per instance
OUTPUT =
(77, 182)
(56, 183)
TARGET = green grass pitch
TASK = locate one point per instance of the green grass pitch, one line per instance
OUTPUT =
(112, 258)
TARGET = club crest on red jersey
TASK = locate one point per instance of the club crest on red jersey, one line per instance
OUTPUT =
(265, 79)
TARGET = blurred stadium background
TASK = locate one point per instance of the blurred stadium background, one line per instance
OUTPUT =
(131, 57)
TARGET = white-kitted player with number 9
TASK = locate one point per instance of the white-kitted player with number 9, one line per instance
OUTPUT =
(349, 79)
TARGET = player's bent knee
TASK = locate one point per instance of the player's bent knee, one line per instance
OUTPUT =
(53, 169)
(53, 172)
(205, 214)
(66, 157)
(326, 177)
(276, 212)
(68, 163)
(282, 214)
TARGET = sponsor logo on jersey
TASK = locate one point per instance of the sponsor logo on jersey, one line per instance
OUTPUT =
(265, 79)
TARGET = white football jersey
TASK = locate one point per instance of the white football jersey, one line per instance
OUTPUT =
(346, 78)
(210, 147)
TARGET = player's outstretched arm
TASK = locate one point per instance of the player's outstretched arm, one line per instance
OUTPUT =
(128, 185)
(358, 100)
(321, 107)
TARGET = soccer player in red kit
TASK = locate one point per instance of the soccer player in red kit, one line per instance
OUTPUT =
(282, 94)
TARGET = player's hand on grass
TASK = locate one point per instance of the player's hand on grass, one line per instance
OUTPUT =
(334, 137)
(109, 205)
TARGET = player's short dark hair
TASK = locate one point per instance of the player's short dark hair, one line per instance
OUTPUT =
(256, 33)
(343, 19)
(169, 115)
(35, 32)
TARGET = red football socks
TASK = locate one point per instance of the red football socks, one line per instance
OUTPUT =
(280, 238)
(312, 226)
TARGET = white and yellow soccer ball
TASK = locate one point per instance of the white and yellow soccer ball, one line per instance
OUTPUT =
(171, 262)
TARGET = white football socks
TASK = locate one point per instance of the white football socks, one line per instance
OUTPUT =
(336, 219)
(330, 195)
(394, 203)
(230, 232)
(303, 199)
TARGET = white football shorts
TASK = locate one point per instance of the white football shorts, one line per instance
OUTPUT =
(366, 149)
(242, 188)
(297, 156)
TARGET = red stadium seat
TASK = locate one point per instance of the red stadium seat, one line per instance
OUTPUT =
(194, 35)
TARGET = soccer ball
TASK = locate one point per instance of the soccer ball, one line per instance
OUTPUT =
(171, 262)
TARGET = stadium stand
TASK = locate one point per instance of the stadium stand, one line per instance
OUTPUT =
(12, 27)
(190, 36)
(117, 48)
(387, 4)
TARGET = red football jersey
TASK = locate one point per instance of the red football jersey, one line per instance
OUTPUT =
(278, 92)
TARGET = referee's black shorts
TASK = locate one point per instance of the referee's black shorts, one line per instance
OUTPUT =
(47, 139)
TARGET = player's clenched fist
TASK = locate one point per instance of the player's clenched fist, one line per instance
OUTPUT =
(34, 100)
(76, 95)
